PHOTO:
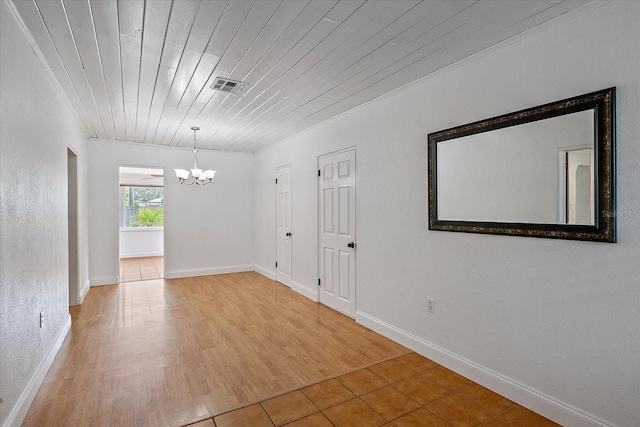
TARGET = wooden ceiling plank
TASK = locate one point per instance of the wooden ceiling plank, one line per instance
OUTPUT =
(141, 71)
(327, 64)
(207, 19)
(310, 30)
(268, 37)
(393, 78)
(156, 20)
(181, 21)
(311, 45)
(246, 34)
(131, 23)
(206, 22)
(527, 22)
(81, 22)
(474, 42)
(347, 89)
(350, 32)
(365, 32)
(282, 18)
(341, 11)
(232, 19)
(377, 51)
(105, 19)
(58, 27)
(390, 59)
(32, 19)
(285, 127)
(303, 23)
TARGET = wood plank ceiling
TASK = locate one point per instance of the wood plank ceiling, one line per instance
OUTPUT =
(142, 70)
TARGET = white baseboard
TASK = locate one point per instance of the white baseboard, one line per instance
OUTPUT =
(179, 274)
(303, 290)
(84, 291)
(547, 406)
(104, 280)
(264, 271)
(141, 255)
(20, 409)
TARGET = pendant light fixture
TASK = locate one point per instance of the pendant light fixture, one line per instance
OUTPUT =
(198, 176)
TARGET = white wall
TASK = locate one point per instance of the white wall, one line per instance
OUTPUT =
(207, 229)
(141, 242)
(551, 323)
(36, 128)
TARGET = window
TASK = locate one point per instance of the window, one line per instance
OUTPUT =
(141, 207)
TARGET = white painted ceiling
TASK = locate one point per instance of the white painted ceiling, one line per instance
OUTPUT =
(141, 71)
(141, 171)
(139, 176)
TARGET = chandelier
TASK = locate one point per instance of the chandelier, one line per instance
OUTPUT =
(198, 176)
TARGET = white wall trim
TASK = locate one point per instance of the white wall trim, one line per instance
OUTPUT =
(547, 406)
(84, 291)
(141, 254)
(303, 290)
(103, 280)
(19, 411)
(269, 274)
(179, 274)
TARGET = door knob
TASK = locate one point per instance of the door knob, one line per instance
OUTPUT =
(288, 234)
(351, 245)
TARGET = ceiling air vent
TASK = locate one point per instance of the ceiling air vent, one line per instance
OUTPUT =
(229, 86)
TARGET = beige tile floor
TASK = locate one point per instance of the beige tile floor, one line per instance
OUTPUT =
(407, 391)
(145, 268)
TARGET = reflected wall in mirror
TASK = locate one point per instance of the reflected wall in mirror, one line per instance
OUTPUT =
(545, 172)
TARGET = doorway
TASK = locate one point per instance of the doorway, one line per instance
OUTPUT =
(337, 231)
(576, 186)
(72, 209)
(283, 213)
(140, 223)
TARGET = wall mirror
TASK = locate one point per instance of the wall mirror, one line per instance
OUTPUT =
(547, 171)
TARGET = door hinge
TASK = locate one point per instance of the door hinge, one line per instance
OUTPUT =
(276, 265)
(276, 180)
(318, 282)
(318, 172)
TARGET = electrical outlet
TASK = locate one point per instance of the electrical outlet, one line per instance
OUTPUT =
(431, 305)
(41, 319)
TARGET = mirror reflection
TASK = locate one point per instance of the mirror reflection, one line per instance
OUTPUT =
(547, 171)
(539, 172)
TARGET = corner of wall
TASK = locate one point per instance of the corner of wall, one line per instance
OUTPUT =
(103, 280)
(269, 274)
(84, 291)
(303, 290)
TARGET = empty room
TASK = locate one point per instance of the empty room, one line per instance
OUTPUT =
(320, 213)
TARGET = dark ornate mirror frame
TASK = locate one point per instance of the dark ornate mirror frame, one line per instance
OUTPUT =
(604, 229)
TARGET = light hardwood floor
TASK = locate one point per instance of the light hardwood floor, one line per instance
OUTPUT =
(240, 350)
(164, 352)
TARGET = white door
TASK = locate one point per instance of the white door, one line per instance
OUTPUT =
(283, 263)
(337, 194)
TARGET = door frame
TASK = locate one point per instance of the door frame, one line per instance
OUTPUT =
(117, 207)
(73, 236)
(562, 151)
(318, 220)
